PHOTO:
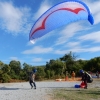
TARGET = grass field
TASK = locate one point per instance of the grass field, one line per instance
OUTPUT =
(92, 93)
(76, 94)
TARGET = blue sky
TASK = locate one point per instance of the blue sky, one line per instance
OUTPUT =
(16, 20)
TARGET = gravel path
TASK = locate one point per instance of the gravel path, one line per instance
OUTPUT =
(23, 91)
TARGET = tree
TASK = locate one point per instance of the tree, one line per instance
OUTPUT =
(48, 74)
(26, 71)
(15, 66)
(5, 78)
(4, 73)
(69, 60)
(27, 67)
(55, 68)
(1, 64)
(6, 68)
(40, 74)
(58, 67)
(15, 69)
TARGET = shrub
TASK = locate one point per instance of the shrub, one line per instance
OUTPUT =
(5, 78)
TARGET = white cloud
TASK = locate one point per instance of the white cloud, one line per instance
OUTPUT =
(13, 58)
(78, 49)
(73, 49)
(72, 44)
(37, 59)
(16, 59)
(88, 49)
(94, 9)
(96, 12)
(14, 19)
(97, 18)
(95, 37)
(38, 50)
(94, 6)
(93, 49)
(43, 7)
(68, 32)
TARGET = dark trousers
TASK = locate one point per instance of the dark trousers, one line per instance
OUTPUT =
(85, 82)
(32, 83)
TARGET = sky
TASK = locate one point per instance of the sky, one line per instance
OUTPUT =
(16, 20)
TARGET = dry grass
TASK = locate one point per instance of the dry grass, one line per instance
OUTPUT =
(92, 93)
(76, 94)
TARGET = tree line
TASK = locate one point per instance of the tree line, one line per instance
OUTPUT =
(51, 70)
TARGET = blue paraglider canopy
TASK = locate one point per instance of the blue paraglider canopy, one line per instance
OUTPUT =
(60, 14)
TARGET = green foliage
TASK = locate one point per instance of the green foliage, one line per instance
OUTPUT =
(26, 70)
(53, 69)
(1, 64)
(15, 66)
(69, 60)
(40, 73)
(5, 78)
(48, 74)
(76, 94)
(6, 68)
(56, 67)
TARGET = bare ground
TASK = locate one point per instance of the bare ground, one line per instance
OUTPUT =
(23, 91)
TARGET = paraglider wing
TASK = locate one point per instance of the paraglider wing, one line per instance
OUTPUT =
(59, 15)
